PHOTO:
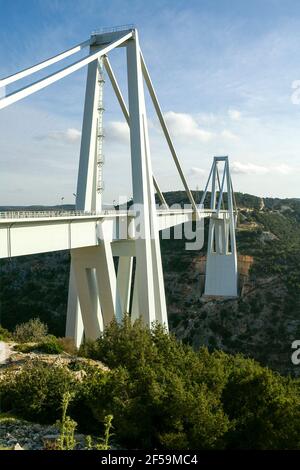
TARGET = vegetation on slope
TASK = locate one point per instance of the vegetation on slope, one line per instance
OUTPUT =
(162, 394)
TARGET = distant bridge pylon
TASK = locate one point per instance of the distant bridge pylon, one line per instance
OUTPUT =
(97, 293)
(221, 260)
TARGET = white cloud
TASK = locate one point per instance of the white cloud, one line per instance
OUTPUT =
(207, 118)
(234, 114)
(72, 135)
(194, 171)
(185, 126)
(68, 136)
(117, 132)
(226, 134)
(252, 169)
(284, 169)
(248, 168)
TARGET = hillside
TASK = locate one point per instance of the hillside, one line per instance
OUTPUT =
(264, 321)
(261, 323)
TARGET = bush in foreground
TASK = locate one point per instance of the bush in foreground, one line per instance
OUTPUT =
(5, 335)
(32, 331)
(160, 390)
(167, 395)
(49, 345)
(35, 393)
(164, 395)
(264, 406)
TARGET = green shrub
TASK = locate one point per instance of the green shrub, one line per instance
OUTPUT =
(264, 405)
(101, 443)
(165, 395)
(25, 347)
(32, 331)
(36, 392)
(5, 335)
(160, 392)
(50, 345)
(66, 426)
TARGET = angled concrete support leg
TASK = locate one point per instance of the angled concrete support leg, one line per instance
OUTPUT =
(96, 286)
(150, 293)
(124, 278)
(107, 283)
(159, 287)
(74, 324)
(87, 294)
(158, 277)
(140, 184)
(135, 312)
(87, 198)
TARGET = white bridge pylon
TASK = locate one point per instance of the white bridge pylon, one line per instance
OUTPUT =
(221, 277)
(97, 293)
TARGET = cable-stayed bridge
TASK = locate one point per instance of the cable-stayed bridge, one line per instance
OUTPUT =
(97, 291)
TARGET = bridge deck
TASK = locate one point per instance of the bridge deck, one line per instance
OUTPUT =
(27, 216)
(30, 232)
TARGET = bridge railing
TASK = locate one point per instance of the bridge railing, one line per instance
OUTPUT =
(113, 29)
(69, 214)
(55, 214)
(41, 214)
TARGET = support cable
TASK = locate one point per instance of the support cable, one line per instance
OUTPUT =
(125, 111)
(45, 63)
(54, 77)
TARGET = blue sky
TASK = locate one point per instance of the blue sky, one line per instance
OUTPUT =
(224, 72)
